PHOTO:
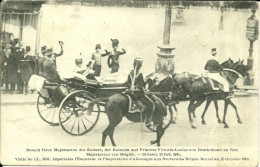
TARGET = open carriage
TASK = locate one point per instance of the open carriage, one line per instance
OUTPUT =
(79, 111)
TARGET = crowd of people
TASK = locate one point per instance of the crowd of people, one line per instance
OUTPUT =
(18, 65)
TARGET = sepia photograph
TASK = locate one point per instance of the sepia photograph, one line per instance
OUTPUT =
(129, 83)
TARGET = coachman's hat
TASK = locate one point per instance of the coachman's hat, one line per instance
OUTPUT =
(213, 51)
(115, 42)
(138, 62)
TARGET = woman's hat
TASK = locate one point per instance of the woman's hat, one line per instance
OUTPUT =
(213, 51)
(115, 42)
(138, 62)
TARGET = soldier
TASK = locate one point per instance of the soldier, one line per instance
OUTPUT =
(96, 56)
(136, 84)
(26, 67)
(214, 70)
(113, 59)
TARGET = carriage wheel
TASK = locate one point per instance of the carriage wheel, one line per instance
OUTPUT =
(166, 120)
(75, 117)
(48, 110)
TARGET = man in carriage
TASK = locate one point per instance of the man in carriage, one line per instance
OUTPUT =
(96, 56)
(113, 59)
(43, 58)
(136, 89)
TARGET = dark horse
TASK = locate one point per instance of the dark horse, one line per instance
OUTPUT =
(117, 107)
(198, 89)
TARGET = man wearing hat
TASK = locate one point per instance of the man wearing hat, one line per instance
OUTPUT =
(41, 60)
(113, 59)
(25, 67)
(96, 56)
(19, 54)
(10, 65)
(49, 68)
(136, 89)
(214, 70)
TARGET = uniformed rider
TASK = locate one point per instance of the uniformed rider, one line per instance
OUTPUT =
(136, 88)
(214, 71)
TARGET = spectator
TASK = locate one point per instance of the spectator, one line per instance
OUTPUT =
(26, 67)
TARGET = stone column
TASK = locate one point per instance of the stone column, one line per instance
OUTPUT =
(165, 64)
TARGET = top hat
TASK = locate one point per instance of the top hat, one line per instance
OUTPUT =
(98, 46)
(115, 42)
(213, 51)
(16, 40)
(43, 49)
(27, 48)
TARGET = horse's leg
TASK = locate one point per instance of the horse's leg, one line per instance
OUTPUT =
(104, 135)
(159, 134)
(235, 107)
(196, 105)
(174, 113)
(190, 109)
(216, 107)
(204, 112)
(225, 112)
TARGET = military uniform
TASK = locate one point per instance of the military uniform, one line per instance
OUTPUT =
(135, 82)
(113, 60)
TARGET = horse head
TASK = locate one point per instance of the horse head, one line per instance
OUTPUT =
(227, 63)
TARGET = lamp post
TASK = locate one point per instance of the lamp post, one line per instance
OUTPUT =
(221, 24)
(165, 64)
(252, 31)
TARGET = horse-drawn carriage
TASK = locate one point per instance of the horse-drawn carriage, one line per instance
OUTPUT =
(82, 102)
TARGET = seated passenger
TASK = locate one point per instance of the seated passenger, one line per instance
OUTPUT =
(49, 68)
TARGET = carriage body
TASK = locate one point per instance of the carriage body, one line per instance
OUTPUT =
(78, 111)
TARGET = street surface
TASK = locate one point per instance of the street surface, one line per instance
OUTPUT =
(20, 120)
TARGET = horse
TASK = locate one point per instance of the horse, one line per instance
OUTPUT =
(117, 107)
(243, 70)
(199, 89)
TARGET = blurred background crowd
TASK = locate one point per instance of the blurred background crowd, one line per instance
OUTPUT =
(17, 65)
